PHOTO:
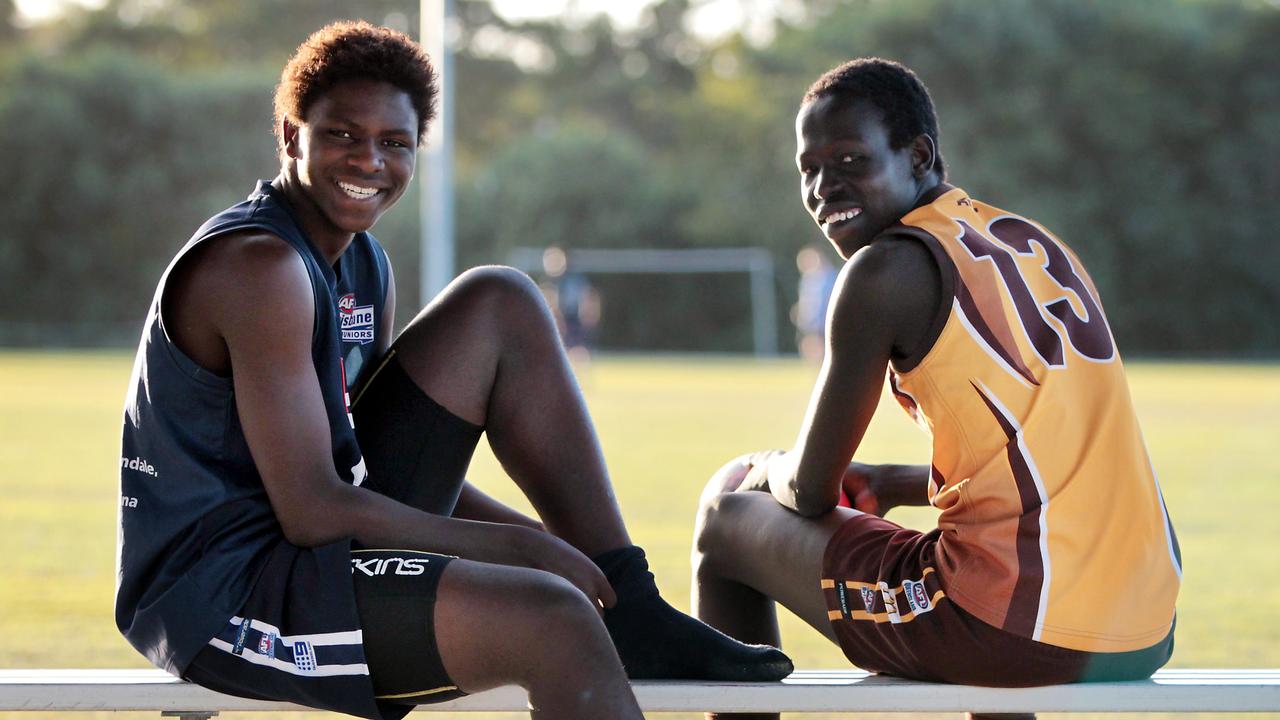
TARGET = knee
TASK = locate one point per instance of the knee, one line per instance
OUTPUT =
(504, 297)
(724, 482)
(500, 285)
(718, 524)
(727, 479)
(558, 608)
(492, 300)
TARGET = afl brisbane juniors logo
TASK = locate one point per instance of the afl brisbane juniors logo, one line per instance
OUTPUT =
(356, 321)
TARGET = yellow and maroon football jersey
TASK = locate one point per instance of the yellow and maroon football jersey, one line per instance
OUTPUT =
(1053, 524)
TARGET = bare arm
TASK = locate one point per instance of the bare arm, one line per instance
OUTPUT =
(892, 485)
(262, 305)
(885, 299)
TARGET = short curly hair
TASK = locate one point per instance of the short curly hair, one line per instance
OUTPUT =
(355, 50)
(893, 88)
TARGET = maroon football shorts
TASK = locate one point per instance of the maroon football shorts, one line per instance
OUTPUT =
(891, 614)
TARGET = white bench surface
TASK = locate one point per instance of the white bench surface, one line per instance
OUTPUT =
(1171, 690)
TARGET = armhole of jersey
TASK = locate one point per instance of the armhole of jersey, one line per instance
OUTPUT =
(185, 253)
(947, 274)
(384, 272)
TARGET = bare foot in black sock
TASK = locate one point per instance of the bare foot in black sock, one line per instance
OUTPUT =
(655, 640)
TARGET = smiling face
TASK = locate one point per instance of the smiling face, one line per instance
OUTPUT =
(350, 160)
(853, 183)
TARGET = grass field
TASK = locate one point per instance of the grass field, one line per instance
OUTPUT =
(666, 423)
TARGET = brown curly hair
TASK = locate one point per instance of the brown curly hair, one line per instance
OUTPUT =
(355, 50)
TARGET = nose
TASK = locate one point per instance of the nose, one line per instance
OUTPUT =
(823, 184)
(366, 156)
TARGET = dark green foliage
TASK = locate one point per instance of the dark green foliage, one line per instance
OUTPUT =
(577, 186)
(1144, 133)
(113, 162)
(1137, 132)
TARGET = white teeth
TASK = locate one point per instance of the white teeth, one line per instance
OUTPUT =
(357, 192)
(842, 216)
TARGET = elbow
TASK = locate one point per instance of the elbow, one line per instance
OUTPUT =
(809, 502)
(811, 507)
(302, 534)
(315, 521)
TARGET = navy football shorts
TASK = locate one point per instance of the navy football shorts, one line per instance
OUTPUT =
(305, 637)
(346, 628)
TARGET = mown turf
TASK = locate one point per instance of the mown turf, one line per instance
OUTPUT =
(666, 423)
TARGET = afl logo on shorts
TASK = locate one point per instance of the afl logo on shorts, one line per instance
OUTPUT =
(917, 597)
(303, 656)
(267, 644)
(356, 321)
(869, 599)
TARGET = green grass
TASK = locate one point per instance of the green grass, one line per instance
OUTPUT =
(666, 423)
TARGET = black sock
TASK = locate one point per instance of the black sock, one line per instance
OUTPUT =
(655, 640)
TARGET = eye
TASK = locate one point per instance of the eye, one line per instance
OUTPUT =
(849, 158)
(340, 134)
(398, 144)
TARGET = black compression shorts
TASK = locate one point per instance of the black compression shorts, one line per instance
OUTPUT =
(417, 452)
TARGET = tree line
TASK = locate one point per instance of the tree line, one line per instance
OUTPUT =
(1144, 133)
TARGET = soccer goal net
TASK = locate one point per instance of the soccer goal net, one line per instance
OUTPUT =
(757, 263)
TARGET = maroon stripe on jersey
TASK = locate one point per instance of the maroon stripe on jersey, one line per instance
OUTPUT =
(1010, 432)
(979, 323)
(907, 402)
(936, 475)
(1024, 603)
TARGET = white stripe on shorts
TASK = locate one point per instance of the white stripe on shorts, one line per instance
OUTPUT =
(347, 637)
(320, 671)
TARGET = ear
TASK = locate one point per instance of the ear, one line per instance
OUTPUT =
(289, 137)
(924, 155)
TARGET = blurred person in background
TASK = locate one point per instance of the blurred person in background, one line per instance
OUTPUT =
(817, 280)
(575, 300)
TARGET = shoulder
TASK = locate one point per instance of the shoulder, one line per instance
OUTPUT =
(250, 246)
(893, 288)
(252, 260)
(892, 269)
(226, 286)
(249, 273)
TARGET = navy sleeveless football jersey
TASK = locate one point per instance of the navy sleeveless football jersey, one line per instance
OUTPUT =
(195, 523)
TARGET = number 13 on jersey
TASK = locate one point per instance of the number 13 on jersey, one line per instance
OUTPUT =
(1041, 279)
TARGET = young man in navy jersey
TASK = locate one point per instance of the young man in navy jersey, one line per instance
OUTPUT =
(296, 524)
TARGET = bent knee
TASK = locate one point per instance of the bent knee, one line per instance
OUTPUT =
(524, 604)
(722, 520)
(727, 479)
(500, 282)
(554, 605)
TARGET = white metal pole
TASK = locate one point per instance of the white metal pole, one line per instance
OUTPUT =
(764, 305)
(436, 203)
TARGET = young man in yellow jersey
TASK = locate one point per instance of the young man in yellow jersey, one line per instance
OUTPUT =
(1054, 560)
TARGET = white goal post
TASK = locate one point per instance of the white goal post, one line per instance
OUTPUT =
(756, 262)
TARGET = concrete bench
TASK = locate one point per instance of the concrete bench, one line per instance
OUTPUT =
(805, 691)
